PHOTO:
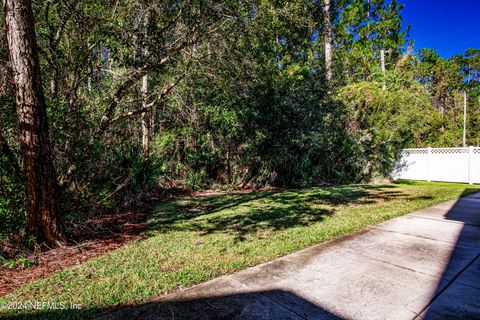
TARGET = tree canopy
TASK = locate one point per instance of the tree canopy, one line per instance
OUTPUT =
(142, 96)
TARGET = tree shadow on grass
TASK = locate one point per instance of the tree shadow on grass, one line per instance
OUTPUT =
(240, 214)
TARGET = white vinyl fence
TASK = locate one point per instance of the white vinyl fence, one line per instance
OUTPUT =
(439, 164)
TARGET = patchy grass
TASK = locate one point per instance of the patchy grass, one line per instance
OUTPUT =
(197, 239)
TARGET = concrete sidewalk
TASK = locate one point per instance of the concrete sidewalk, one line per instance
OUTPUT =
(424, 265)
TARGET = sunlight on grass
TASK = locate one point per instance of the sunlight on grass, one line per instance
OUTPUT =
(197, 239)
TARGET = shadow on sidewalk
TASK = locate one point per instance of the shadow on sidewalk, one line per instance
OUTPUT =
(249, 305)
(457, 295)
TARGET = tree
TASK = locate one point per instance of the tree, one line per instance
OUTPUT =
(146, 116)
(440, 78)
(469, 80)
(145, 94)
(42, 190)
(364, 28)
(328, 41)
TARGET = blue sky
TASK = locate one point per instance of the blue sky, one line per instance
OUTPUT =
(449, 26)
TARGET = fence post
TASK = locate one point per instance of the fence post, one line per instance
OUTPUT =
(429, 155)
(470, 164)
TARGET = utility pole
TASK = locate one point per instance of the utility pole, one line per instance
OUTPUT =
(464, 119)
(382, 57)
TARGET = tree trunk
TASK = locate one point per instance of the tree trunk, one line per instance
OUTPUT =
(145, 119)
(42, 190)
(328, 42)
(146, 116)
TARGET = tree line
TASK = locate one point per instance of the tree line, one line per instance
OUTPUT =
(103, 103)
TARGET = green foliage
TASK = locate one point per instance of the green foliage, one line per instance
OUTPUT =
(363, 29)
(12, 202)
(384, 122)
(21, 263)
(197, 239)
(25, 263)
(237, 96)
(10, 264)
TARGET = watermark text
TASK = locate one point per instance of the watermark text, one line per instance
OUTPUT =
(38, 305)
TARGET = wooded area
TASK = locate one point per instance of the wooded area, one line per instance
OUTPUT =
(106, 104)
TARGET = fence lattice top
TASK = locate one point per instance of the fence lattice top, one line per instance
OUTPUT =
(415, 151)
(439, 150)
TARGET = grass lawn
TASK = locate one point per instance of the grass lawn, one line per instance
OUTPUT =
(197, 239)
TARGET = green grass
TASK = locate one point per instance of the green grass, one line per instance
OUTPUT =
(197, 239)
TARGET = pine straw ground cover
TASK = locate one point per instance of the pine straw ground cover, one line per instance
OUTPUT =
(192, 240)
(92, 238)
